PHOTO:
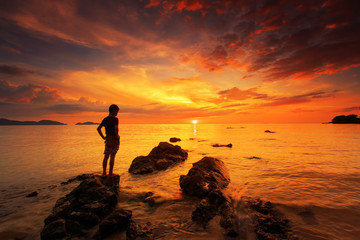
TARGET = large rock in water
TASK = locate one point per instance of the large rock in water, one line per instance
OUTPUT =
(206, 179)
(86, 206)
(207, 175)
(160, 158)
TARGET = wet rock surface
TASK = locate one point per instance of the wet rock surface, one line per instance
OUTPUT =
(97, 209)
(78, 178)
(90, 206)
(161, 157)
(206, 179)
(208, 174)
(269, 223)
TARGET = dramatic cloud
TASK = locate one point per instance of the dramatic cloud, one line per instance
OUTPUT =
(17, 71)
(350, 109)
(237, 94)
(304, 98)
(280, 38)
(27, 93)
(178, 59)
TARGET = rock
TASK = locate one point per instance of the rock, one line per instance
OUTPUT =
(33, 194)
(132, 231)
(160, 158)
(83, 208)
(175, 139)
(86, 219)
(118, 220)
(268, 131)
(216, 203)
(269, 222)
(54, 230)
(222, 145)
(73, 228)
(352, 118)
(208, 174)
(206, 179)
(78, 178)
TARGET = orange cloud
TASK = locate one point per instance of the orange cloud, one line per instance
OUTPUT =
(237, 94)
(27, 93)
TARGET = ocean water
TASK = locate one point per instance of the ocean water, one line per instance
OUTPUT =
(311, 172)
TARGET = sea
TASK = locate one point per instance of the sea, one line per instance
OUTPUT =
(310, 172)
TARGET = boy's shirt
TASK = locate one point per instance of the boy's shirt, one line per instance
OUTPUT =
(109, 123)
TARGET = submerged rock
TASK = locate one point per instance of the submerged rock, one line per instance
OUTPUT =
(33, 194)
(268, 131)
(160, 158)
(208, 174)
(175, 139)
(269, 223)
(93, 202)
(222, 145)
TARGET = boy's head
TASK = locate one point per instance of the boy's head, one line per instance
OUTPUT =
(113, 109)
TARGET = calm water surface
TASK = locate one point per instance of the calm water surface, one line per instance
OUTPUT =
(310, 171)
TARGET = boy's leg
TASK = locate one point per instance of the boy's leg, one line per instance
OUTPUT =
(106, 157)
(112, 160)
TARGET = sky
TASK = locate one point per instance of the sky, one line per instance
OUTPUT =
(166, 61)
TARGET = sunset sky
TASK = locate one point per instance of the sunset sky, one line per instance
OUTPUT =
(164, 61)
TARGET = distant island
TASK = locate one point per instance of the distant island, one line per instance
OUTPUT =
(4, 121)
(87, 123)
(342, 119)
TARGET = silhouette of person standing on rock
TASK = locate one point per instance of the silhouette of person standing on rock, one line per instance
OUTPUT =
(112, 138)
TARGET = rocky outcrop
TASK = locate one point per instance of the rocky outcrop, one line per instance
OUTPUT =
(269, 223)
(161, 157)
(4, 121)
(91, 204)
(206, 179)
(342, 119)
(207, 175)
(78, 178)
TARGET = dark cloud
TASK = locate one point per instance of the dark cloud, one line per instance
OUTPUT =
(350, 109)
(18, 71)
(27, 93)
(237, 94)
(44, 52)
(280, 38)
(70, 108)
(303, 98)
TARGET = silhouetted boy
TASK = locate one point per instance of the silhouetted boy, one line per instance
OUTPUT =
(112, 139)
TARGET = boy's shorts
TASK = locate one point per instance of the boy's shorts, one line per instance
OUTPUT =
(111, 144)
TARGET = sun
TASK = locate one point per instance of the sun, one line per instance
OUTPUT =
(194, 121)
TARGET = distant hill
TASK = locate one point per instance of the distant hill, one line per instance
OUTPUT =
(87, 123)
(342, 119)
(4, 121)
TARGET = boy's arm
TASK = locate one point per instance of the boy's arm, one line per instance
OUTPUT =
(100, 132)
